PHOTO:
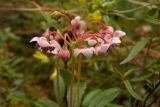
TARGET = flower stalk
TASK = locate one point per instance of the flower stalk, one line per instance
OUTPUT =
(78, 80)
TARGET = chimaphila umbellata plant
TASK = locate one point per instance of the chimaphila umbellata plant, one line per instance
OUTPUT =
(77, 41)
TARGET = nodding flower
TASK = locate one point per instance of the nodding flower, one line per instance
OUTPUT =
(87, 52)
(78, 25)
(87, 43)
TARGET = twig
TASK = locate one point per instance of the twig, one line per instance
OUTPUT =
(151, 93)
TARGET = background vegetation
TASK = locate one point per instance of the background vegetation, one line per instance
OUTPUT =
(127, 76)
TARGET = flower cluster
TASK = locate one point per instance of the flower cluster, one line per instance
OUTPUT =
(86, 42)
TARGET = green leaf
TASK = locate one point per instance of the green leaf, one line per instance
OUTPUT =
(90, 96)
(130, 90)
(45, 103)
(95, 15)
(104, 97)
(20, 98)
(136, 49)
(61, 87)
(42, 57)
(83, 86)
(110, 4)
(153, 20)
(66, 75)
(136, 79)
(82, 2)
(138, 2)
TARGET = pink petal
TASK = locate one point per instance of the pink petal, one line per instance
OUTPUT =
(107, 37)
(115, 40)
(46, 33)
(102, 49)
(77, 51)
(107, 30)
(64, 54)
(42, 42)
(88, 52)
(92, 42)
(54, 43)
(78, 25)
(35, 39)
(119, 33)
(55, 51)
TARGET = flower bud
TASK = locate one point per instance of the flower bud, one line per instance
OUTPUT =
(64, 54)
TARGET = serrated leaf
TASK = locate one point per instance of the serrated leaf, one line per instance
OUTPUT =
(83, 86)
(45, 103)
(136, 49)
(90, 96)
(104, 97)
(130, 90)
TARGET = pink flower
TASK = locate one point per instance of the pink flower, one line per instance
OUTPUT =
(91, 41)
(41, 41)
(64, 54)
(78, 25)
(115, 40)
(107, 30)
(54, 43)
(116, 37)
(111, 36)
(119, 33)
(51, 47)
(99, 50)
(87, 52)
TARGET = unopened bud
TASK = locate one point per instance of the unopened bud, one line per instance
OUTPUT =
(64, 54)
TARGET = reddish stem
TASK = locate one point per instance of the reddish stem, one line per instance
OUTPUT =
(78, 80)
(26, 9)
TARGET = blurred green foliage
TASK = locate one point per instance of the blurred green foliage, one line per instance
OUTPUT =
(24, 79)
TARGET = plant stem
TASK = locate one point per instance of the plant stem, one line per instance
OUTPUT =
(26, 9)
(151, 92)
(78, 80)
(72, 75)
